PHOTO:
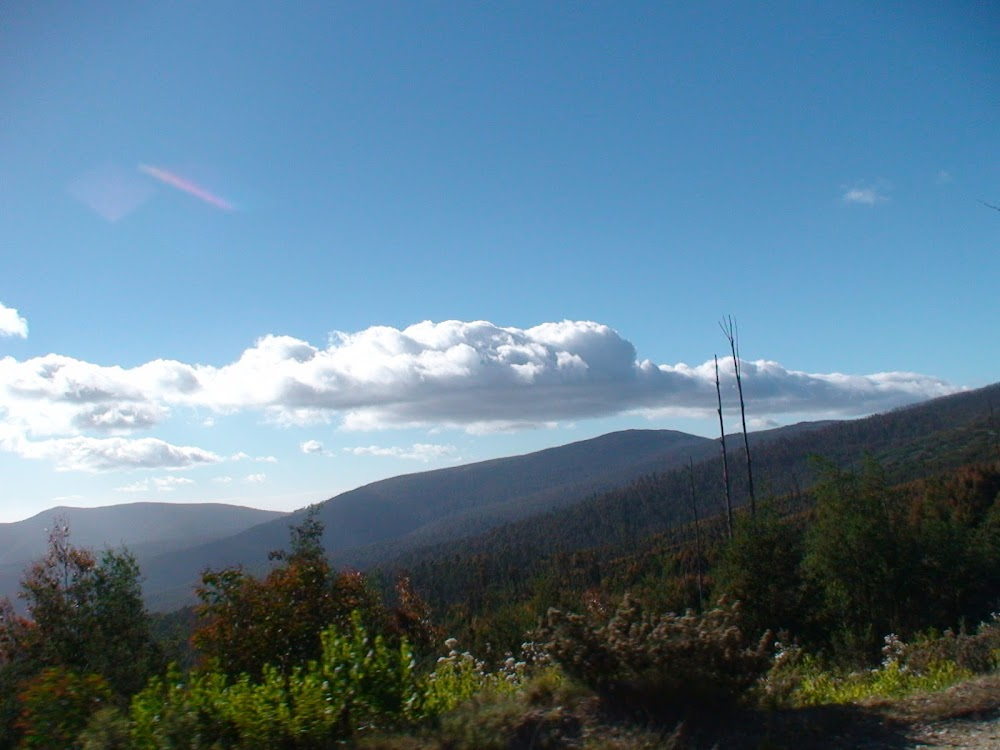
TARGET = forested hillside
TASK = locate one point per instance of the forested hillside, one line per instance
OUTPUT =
(552, 558)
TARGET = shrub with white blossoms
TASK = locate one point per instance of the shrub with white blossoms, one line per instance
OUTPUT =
(894, 652)
(659, 662)
(459, 676)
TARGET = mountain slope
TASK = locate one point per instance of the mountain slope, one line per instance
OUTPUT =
(368, 524)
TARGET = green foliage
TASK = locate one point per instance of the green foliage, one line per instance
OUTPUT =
(760, 568)
(859, 557)
(108, 729)
(897, 560)
(890, 681)
(359, 684)
(658, 663)
(55, 707)
(89, 615)
(175, 712)
(458, 677)
(86, 618)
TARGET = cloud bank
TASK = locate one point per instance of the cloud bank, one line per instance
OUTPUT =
(474, 376)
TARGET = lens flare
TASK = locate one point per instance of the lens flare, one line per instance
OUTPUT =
(168, 178)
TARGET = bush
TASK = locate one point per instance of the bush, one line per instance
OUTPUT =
(56, 706)
(658, 663)
(798, 679)
(108, 729)
(977, 652)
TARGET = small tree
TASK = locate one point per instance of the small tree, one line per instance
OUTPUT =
(760, 567)
(861, 558)
(86, 622)
(88, 614)
(248, 622)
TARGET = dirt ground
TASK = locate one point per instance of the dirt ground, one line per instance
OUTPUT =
(963, 717)
(966, 717)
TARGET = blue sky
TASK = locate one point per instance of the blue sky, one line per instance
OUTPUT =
(261, 254)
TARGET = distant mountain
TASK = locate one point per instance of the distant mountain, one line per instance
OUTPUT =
(146, 529)
(374, 522)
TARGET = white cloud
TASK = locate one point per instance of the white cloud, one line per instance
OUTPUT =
(222, 480)
(108, 454)
(424, 452)
(12, 324)
(311, 446)
(241, 456)
(168, 484)
(866, 195)
(256, 478)
(472, 375)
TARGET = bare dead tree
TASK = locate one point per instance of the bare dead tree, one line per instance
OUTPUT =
(990, 205)
(725, 456)
(697, 533)
(732, 333)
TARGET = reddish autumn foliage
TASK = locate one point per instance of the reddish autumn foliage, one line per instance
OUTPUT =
(249, 622)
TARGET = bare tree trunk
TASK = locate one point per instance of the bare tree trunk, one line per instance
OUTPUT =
(725, 456)
(732, 333)
(697, 533)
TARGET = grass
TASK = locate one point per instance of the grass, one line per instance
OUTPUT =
(891, 681)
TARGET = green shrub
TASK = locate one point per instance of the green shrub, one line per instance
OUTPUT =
(658, 663)
(180, 712)
(458, 677)
(359, 684)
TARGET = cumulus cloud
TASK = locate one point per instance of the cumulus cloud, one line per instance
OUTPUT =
(256, 478)
(424, 452)
(311, 446)
(865, 195)
(12, 324)
(476, 376)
